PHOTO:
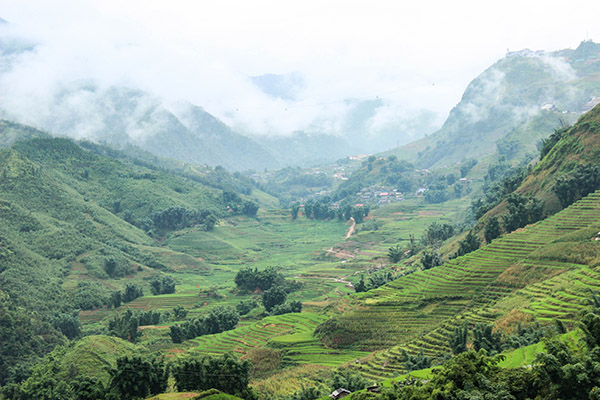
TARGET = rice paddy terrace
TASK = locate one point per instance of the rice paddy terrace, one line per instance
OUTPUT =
(293, 333)
(529, 271)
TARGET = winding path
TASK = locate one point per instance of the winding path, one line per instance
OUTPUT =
(351, 229)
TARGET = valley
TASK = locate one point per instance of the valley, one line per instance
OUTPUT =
(160, 254)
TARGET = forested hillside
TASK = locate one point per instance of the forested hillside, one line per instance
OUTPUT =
(73, 224)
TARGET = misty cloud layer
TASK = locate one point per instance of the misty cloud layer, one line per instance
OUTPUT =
(388, 73)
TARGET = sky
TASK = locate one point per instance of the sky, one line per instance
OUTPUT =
(412, 56)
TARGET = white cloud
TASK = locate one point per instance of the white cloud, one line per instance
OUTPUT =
(414, 55)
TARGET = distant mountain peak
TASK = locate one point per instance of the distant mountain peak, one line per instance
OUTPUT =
(3, 21)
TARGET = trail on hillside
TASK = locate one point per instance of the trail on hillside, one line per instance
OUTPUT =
(351, 230)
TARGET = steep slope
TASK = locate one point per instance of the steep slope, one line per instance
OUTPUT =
(577, 147)
(66, 212)
(512, 105)
(529, 271)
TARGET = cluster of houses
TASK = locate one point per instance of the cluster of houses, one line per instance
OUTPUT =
(380, 195)
(593, 102)
(341, 392)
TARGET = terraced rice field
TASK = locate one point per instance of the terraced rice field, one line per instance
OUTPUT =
(293, 333)
(426, 306)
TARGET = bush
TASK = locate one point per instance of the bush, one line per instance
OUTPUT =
(219, 319)
(273, 297)
(162, 284)
(224, 373)
(291, 307)
(430, 259)
(248, 279)
(244, 307)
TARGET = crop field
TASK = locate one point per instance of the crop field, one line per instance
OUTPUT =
(426, 306)
(293, 333)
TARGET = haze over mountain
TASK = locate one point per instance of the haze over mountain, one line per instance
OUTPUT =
(369, 79)
(513, 105)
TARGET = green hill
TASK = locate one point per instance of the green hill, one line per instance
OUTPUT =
(66, 214)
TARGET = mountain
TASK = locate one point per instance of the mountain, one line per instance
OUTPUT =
(122, 116)
(68, 214)
(512, 106)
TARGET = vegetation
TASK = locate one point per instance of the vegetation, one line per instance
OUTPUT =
(219, 319)
(173, 262)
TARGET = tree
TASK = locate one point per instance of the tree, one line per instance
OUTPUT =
(273, 297)
(492, 229)
(110, 267)
(132, 292)
(138, 377)
(522, 211)
(244, 307)
(430, 259)
(470, 243)
(68, 324)
(225, 373)
(584, 180)
(250, 209)
(412, 363)
(485, 338)
(436, 233)
(358, 214)
(395, 254)
(349, 380)
(295, 210)
(162, 284)
(360, 286)
(458, 339)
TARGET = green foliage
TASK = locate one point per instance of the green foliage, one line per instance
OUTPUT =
(466, 166)
(437, 233)
(470, 243)
(125, 326)
(116, 268)
(485, 338)
(175, 218)
(137, 377)
(548, 143)
(436, 195)
(273, 297)
(458, 339)
(376, 279)
(522, 211)
(583, 181)
(89, 295)
(492, 229)
(395, 254)
(68, 324)
(413, 363)
(244, 307)
(224, 373)
(162, 284)
(500, 181)
(361, 286)
(179, 312)
(347, 379)
(307, 393)
(290, 307)
(431, 258)
(295, 209)
(132, 292)
(248, 279)
(219, 319)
